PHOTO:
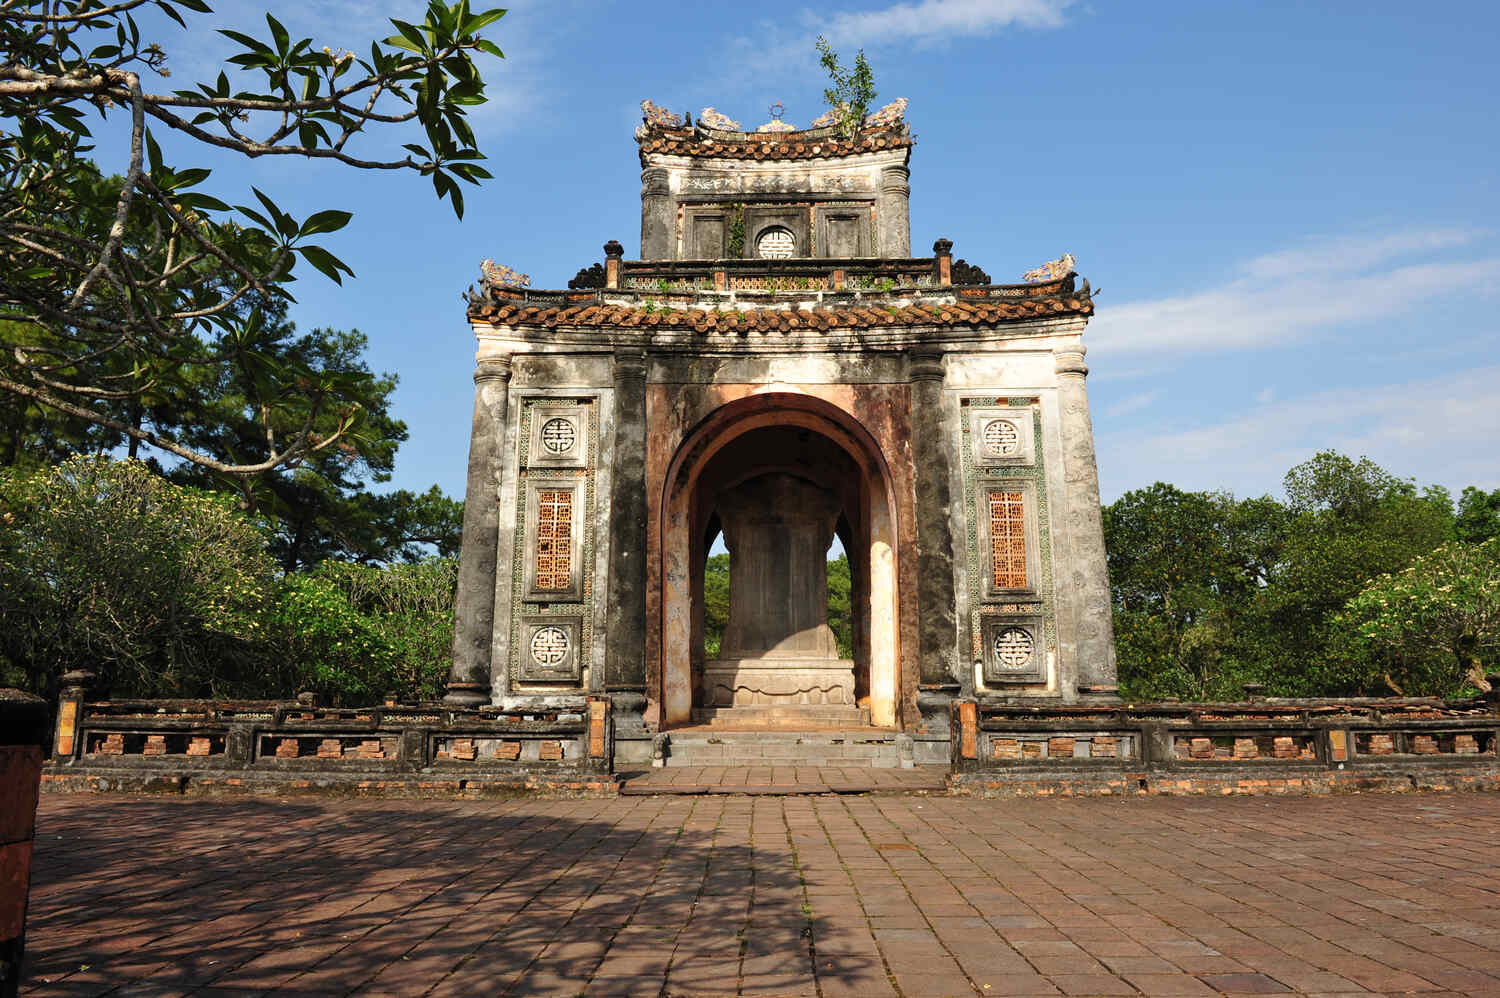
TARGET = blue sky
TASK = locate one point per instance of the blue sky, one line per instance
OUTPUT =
(1290, 209)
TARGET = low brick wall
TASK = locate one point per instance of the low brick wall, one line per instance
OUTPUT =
(1250, 747)
(291, 747)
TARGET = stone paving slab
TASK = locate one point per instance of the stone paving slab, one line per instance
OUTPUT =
(771, 779)
(824, 896)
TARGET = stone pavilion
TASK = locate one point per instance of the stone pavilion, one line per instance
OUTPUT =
(778, 370)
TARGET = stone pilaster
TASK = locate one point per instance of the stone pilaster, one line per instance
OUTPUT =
(658, 215)
(625, 656)
(474, 610)
(893, 212)
(932, 456)
(1086, 578)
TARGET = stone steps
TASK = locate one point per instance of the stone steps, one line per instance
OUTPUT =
(861, 747)
(796, 717)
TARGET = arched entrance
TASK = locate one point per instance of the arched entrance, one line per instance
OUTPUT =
(811, 467)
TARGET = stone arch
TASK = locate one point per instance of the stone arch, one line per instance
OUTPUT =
(872, 530)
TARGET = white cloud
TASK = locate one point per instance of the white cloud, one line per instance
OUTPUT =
(1133, 403)
(1445, 431)
(1287, 295)
(930, 20)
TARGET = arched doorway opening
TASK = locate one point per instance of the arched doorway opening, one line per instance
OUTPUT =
(780, 474)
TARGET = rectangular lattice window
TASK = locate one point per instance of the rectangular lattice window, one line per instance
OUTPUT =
(1008, 539)
(554, 540)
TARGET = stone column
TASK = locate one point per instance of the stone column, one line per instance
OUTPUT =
(1087, 579)
(893, 210)
(625, 652)
(657, 214)
(778, 648)
(474, 609)
(932, 456)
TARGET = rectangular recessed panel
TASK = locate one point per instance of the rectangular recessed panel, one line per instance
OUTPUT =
(1008, 539)
(554, 540)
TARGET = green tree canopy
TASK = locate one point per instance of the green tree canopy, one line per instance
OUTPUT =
(113, 291)
(157, 588)
(1439, 616)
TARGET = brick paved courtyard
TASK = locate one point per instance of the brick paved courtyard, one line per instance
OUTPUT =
(821, 895)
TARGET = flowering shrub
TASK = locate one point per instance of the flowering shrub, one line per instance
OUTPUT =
(1440, 616)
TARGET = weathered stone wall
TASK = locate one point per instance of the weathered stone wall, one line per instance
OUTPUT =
(924, 399)
(850, 206)
(1256, 747)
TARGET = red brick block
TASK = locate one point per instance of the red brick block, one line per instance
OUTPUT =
(1031, 750)
(286, 748)
(1060, 748)
(113, 744)
(1201, 748)
(551, 751)
(330, 748)
(1104, 747)
(200, 746)
(1245, 748)
(1424, 745)
(510, 751)
(1381, 745)
(155, 745)
(1465, 745)
(463, 748)
(1005, 748)
(371, 749)
(1284, 747)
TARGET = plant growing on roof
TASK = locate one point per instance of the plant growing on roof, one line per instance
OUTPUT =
(853, 90)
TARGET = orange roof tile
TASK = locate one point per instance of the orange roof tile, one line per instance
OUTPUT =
(598, 316)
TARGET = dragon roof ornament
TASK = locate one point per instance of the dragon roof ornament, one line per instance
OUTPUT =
(1051, 270)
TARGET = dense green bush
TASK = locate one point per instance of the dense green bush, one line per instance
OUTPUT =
(164, 590)
(1211, 592)
(160, 590)
(357, 632)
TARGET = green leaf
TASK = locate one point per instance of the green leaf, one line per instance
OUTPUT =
(479, 22)
(248, 41)
(330, 220)
(413, 35)
(283, 39)
(326, 262)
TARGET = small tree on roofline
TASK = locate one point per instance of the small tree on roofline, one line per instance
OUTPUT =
(853, 90)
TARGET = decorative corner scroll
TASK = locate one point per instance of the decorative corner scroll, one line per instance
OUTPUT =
(1051, 270)
(659, 116)
(710, 118)
(888, 115)
(496, 275)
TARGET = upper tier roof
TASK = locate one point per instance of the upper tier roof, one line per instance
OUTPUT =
(716, 137)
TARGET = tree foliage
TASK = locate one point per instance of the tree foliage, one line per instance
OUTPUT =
(853, 89)
(1439, 617)
(357, 632)
(159, 589)
(115, 289)
(1211, 592)
(165, 590)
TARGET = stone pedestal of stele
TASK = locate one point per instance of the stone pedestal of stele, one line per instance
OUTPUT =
(778, 649)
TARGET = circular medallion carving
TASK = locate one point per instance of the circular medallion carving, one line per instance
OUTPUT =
(558, 436)
(1001, 438)
(1013, 648)
(549, 646)
(776, 244)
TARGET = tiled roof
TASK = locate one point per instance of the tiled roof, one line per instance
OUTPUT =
(770, 145)
(769, 320)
